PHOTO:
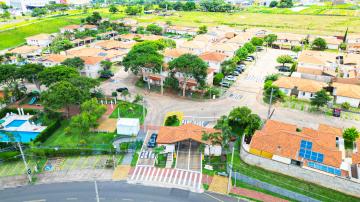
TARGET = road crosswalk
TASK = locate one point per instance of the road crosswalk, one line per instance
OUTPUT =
(195, 122)
(235, 96)
(167, 177)
(257, 79)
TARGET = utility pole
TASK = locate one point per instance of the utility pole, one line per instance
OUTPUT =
(271, 95)
(161, 81)
(28, 171)
(96, 192)
(231, 167)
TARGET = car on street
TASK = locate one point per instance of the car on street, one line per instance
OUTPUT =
(225, 84)
(239, 69)
(252, 57)
(142, 155)
(152, 140)
(230, 78)
(121, 89)
(152, 156)
(249, 59)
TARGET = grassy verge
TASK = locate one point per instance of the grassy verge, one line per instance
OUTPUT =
(134, 159)
(161, 161)
(287, 182)
(247, 186)
(128, 110)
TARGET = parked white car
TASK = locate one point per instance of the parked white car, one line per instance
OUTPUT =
(230, 78)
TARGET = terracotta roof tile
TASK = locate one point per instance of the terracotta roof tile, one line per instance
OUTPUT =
(170, 134)
(213, 56)
(347, 90)
(306, 85)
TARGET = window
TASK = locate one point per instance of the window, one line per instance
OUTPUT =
(303, 93)
(311, 95)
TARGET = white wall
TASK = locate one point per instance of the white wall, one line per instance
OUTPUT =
(91, 71)
(214, 150)
(42, 43)
(286, 91)
(305, 95)
(352, 101)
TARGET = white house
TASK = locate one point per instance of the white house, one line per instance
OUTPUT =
(169, 136)
(224, 48)
(128, 126)
(42, 40)
(182, 30)
(349, 93)
(74, 28)
(27, 51)
(301, 88)
(214, 60)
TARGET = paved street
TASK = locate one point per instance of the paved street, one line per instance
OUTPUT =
(246, 92)
(107, 191)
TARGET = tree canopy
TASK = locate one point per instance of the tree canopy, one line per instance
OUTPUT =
(320, 99)
(284, 59)
(143, 55)
(270, 39)
(31, 72)
(256, 41)
(134, 10)
(319, 44)
(113, 9)
(190, 66)
(75, 62)
(202, 29)
(351, 134)
(55, 74)
(154, 29)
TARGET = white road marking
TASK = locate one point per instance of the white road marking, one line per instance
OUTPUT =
(138, 174)
(166, 174)
(171, 175)
(39, 200)
(185, 178)
(71, 199)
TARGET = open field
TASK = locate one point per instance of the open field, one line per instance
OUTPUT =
(305, 24)
(279, 20)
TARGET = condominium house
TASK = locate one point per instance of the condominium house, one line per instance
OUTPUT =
(287, 40)
(74, 28)
(112, 55)
(27, 51)
(42, 40)
(170, 54)
(196, 47)
(214, 60)
(240, 39)
(82, 42)
(133, 37)
(353, 38)
(331, 41)
(182, 30)
(127, 22)
(206, 38)
(108, 35)
(224, 48)
(349, 93)
(320, 60)
(353, 48)
(169, 137)
(113, 44)
(92, 64)
(299, 87)
(257, 32)
(320, 150)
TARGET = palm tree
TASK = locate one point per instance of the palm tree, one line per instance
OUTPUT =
(213, 138)
(226, 130)
(157, 151)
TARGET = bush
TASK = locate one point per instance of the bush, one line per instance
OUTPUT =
(65, 152)
(345, 105)
(45, 134)
(211, 92)
(8, 110)
(11, 155)
(218, 78)
(172, 121)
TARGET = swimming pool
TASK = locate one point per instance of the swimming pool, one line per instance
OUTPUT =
(15, 123)
(19, 136)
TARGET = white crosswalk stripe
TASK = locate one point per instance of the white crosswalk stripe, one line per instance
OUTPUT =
(168, 177)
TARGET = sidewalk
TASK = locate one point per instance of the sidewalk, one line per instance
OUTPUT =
(219, 184)
(255, 195)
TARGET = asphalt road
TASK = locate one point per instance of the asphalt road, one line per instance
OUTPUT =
(107, 191)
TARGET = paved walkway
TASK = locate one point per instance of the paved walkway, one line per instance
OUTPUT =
(255, 195)
(127, 159)
(219, 184)
(167, 177)
(121, 172)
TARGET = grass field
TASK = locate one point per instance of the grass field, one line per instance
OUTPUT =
(311, 20)
(128, 110)
(98, 140)
(290, 183)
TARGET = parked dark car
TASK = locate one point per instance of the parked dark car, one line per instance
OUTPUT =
(336, 112)
(251, 56)
(236, 73)
(107, 75)
(284, 69)
(152, 140)
(122, 89)
(239, 69)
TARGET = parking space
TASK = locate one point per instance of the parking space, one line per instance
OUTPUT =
(74, 163)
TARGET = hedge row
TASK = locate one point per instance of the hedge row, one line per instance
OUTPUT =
(45, 152)
(45, 134)
(8, 156)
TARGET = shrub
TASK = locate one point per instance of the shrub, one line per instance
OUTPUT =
(345, 105)
(11, 155)
(212, 91)
(218, 78)
(45, 134)
(171, 120)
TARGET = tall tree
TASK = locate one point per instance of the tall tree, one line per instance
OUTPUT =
(154, 29)
(54, 74)
(249, 47)
(320, 99)
(31, 72)
(270, 39)
(284, 59)
(226, 130)
(319, 44)
(256, 41)
(351, 134)
(188, 66)
(75, 62)
(202, 29)
(113, 9)
(143, 55)
(62, 94)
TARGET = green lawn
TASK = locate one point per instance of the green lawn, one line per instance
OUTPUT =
(98, 140)
(287, 182)
(128, 110)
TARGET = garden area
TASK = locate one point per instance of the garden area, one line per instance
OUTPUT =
(128, 110)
